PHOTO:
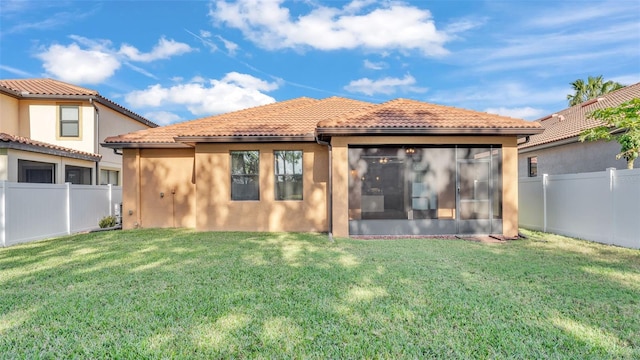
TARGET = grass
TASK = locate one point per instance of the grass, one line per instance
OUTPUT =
(184, 294)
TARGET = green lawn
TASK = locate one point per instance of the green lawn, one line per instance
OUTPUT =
(183, 294)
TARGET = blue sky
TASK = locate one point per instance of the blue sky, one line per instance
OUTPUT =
(180, 60)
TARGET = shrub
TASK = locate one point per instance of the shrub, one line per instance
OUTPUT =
(107, 221)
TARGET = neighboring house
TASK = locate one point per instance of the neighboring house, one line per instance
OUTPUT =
(50, 132)
(344, 166)
(559, 151)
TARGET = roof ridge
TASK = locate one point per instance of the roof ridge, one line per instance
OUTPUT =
(252, 109)
(336, 121)
(568, 123)
(243, 114)
(346, 115)
(600, 98)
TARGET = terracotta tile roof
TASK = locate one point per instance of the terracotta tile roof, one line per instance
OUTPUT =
(292, 118)
(298, 120)
(303, 117)
(42, 88)
(570, 122)
(416, 115)
(45, 87)
(14, 141)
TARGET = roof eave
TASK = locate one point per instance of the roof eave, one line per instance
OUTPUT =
(144, 145)
(546, 145)
(48, 151)
(113, 106)
(97, 98)
(525, 148)
(428, 131)
(244, 139)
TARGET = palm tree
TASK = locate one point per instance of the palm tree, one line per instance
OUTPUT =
(594, 87)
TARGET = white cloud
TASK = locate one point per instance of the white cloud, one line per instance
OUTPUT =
(15, 71)
(231, 47)
(526, 112)
(140, 70)
(91, 61)
(557, 40)
(162, 117)
(569, 14)
(22, 16)
(248, 82)
(73, 64)
(465, 24)
(387, 85)
(357, 5)
(198, 79)
(393, 26)
(375, 65)
(163, 50)
(234, 91)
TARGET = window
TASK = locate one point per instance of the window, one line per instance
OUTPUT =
(36, 172)
(245, 181)
(532, 165)
(109, 177)
(69, 121)
(77, 175)
(288, 175)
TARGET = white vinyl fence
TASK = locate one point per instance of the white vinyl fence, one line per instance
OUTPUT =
(31, 212)
(600, 206)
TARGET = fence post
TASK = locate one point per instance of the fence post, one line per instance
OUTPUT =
(545, 180)
(68, 191)
(3, 213)
(612, 215)
(110, 200)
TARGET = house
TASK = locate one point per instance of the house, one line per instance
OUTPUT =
(558, 150)
(50, 132)
(334, 165)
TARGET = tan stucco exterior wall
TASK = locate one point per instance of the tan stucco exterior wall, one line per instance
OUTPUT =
(340, 169)
(40, 117)
(130, 188)
(112, 123)
(510, 187)
(202, 181)
(216, 210)
(158, 189)
(37, 119)
(9, 110)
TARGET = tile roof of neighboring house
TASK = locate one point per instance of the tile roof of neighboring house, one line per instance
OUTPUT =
(570, 122)
(50, 88)
(21, 143)
(45, 87)
(403, 115)
(302, 118)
